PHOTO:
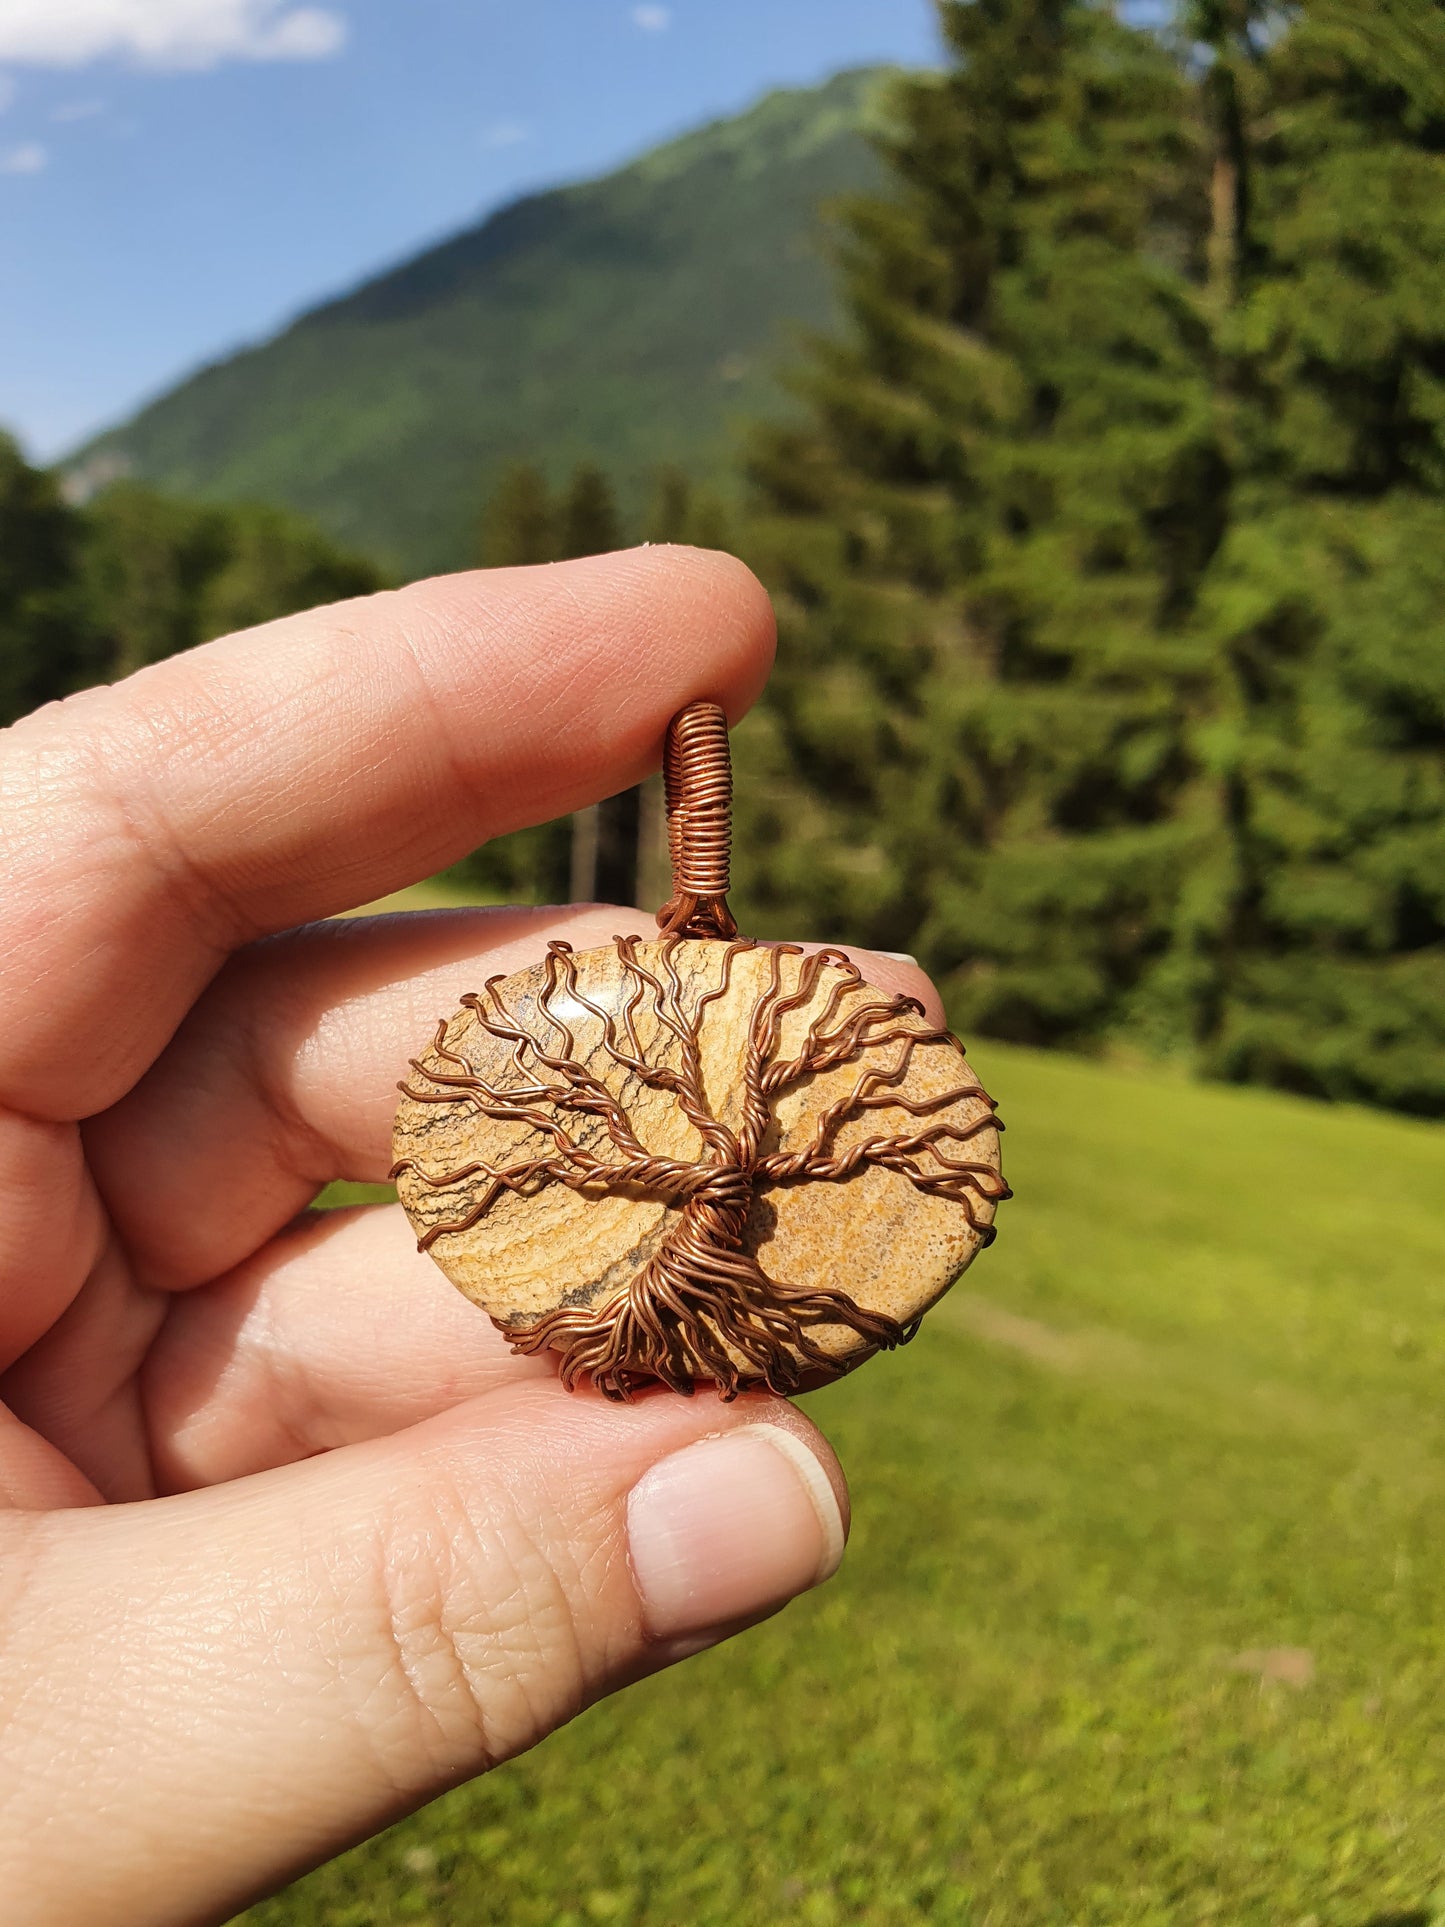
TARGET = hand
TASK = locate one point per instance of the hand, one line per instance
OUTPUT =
(291, 1541)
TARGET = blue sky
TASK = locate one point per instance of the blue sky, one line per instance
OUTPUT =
(179, 176)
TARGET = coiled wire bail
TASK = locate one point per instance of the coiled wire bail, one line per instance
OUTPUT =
(697, 776)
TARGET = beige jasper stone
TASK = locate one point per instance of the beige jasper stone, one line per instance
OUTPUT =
(505, 1140)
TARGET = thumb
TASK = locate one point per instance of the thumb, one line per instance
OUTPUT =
(217, 1691)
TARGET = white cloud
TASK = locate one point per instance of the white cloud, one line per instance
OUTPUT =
(652, 19)
(28, 158)
(165, 33)
(506, 133)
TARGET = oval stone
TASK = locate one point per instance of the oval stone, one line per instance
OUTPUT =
(579, 1124)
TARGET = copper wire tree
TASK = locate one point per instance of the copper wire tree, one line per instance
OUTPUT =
(702, 1306)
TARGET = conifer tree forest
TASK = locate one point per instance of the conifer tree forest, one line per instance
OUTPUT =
(1109, 546)
(616, 851)
(88, 594)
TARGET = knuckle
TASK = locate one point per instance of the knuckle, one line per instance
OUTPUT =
(97, 770)
(481, 1630)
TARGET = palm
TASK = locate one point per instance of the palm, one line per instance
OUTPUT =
(181, 1323)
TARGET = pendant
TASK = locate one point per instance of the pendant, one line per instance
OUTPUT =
(695, 1158)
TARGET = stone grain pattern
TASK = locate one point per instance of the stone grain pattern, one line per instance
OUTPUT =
(526, 1244)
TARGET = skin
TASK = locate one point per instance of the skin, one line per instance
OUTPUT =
(290, 1541)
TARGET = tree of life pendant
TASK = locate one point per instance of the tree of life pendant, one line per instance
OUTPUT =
(696, 1159)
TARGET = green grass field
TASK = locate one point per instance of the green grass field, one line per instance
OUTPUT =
(437, 893)
(1144, 1615)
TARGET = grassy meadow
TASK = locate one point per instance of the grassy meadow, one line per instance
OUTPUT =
(1143, 1622)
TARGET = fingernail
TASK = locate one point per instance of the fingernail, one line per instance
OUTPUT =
(731, 1527)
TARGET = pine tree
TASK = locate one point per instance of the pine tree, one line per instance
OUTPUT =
(47, 646)
(712, 523)
(159, 575)
(276, 564)
(1325, 609)
(987, 544)
(91, 594)
(594, 853)
(519, 526)
(520, 530)
(588, 520)
(669, 518)
(146, 563)
(681, 512)
(1111, 564)
(605, 849)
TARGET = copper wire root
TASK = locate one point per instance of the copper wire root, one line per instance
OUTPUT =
(697, 774)
(702, 1308)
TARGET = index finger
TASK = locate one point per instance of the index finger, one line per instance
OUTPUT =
(148, 829)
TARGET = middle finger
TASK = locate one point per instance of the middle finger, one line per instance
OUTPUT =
(284, 1076)
(335, 1332)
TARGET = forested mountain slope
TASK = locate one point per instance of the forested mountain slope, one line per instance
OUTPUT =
(628, 321)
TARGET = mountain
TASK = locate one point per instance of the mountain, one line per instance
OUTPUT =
(630, 321)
